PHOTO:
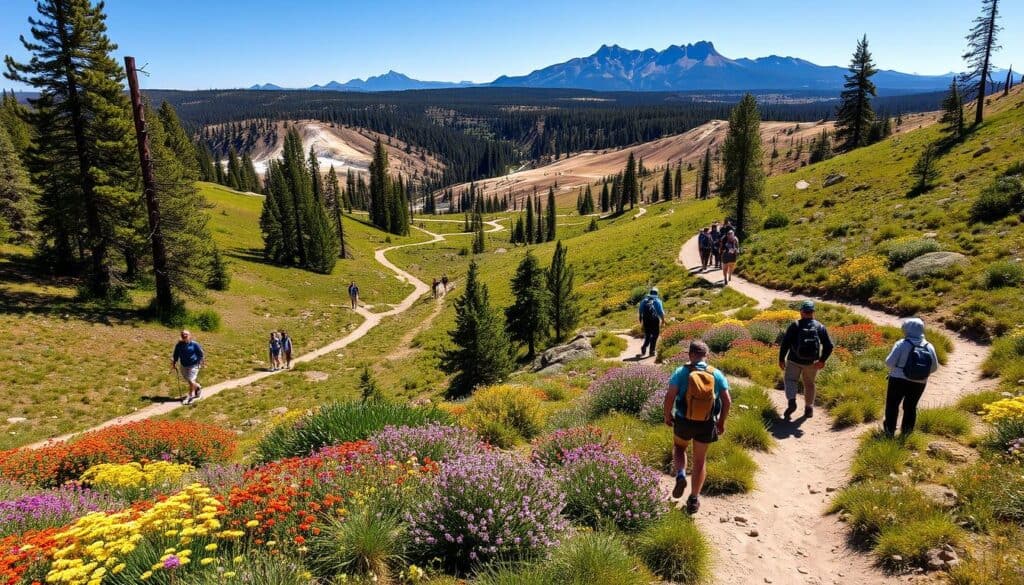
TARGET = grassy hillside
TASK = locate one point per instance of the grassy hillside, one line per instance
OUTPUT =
(852, 239)
(75, 364)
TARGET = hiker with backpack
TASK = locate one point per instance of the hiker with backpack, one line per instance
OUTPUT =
(910, 362)
(286, 350)
(353, 294)
(652, 317)
(716, 243)
(696, 406)
(730, 252)
(704, 245)
(274, 349)
(805, 347)
(188, 357)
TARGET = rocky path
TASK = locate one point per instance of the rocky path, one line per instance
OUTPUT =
(779, 532)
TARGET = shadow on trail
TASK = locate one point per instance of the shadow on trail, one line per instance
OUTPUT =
(636, 358)
(787, 429)
(159, 399)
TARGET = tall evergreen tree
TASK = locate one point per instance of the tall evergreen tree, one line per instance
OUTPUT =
(479, 239)
(925, 170)
(953, 113)
(519, 234)
(741, 154)
(531, 228)
(677, 186)
(854, 116)
(563, 304)
(605, 206)
(298, 189)
(333, 200)
(526, 321)
(84, 157)
(982, 41)
(276, 218)
(12, 119)
(204, 164)
(316, 179)
(588, 201)
(380, 187)
(538, 215)
(177, 140)
(666, 183)
(218, 172)
(322, 247)
(822, 148)
(630, 184)
(552, 217)
(250, 180)
(17, 194)
(234, 174)
(705, 176)
(482, 352)
(398, 209)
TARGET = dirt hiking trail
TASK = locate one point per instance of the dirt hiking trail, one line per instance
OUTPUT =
(779, 533)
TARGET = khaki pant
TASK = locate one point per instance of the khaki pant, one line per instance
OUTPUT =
(796, 373)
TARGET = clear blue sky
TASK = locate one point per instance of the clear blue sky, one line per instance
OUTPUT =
(229, 43)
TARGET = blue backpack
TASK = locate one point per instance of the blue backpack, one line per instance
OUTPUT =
(918, 364)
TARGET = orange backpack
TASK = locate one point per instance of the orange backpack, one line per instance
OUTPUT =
(700, 398)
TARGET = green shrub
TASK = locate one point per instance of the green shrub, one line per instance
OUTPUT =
(340, 422)
(746, 313)
(776, 219)
(1004, 431)
(205, 320)
(496, 410)
(550, 450)
(827, 257)
(609, 488)
(902, 252)
(721, 337)
(875, 505)
(855, 411)
(608, 345)
(912, 540)
(756, 399)
(730, 469)
(1004, 273)
(945, 421)
(767, 332)
(652, 443)
(974, 403)
(362, 544)
(878, 457)
(797, 256)
(594, 558)
(675, 550)
(259, 568)
(747, 428)
(1002, 197)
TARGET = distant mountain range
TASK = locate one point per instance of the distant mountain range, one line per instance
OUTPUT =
(696, 66)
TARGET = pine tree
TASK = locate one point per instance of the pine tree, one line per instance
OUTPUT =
(220, 276)
(526, 321)
(398, 209)
(982, 41)
(552, 217)
(380, 187)
(368, 388)
(204, 164)
(531, 228)
(630, 185)
(1008, 84)
(218, 172)
(854, 116)
(234, 174)
(588, 201)
(479, 239)
(482, 353)
(953, 113)
(538, 215)
(17, 194)
(677, 187)
(12, 119)
(316, 179)
(333, 200)
(666, 183)
(741, 154)
(822, 149)
(177, 140)
(519, 234)
(277, 237)
(322, 246)
(925, 170)
(84, 158)
(605, 205)
(564, 304)
(250, 180)
(298, 189)
(705, 176)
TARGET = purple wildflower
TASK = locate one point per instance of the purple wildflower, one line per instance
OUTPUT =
(625, 389)
(172, 562)
(550, 449)
(610, 486)
(436, 442)
(54, 507)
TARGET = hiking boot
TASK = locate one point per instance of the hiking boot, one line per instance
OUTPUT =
(809, 412)
(790, 409)
(187, 400)
(199, 392)
(680, 487)
(692, 505)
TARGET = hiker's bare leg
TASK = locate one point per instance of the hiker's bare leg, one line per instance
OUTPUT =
(678, 458)
(699, 473)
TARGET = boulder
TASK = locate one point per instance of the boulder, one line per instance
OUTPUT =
(578, 348)
(16, 419)
(833, 179)
(932, 263)
(943, 496)
(982, 150)
(950, 451)
(801, 185)
(861, 187)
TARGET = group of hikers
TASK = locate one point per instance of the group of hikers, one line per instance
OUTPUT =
(280, 351)
(697, 401)
(719, 248)
(440, 284)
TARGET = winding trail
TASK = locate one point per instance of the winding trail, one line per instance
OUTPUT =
(795, 541)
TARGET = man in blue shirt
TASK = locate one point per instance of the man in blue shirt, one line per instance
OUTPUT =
(188, 356)
(652, 317)
(688, 426)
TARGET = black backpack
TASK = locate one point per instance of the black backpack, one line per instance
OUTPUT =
(647, 311)
(808, 341)
(918, 365)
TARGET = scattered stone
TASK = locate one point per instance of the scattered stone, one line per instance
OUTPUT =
(801, 220)
(896, 558)
(929, 235)
(767, 580)
(834, 179)
(500, 251)
(829, 489)
(280, 410)
(932, 263)
(949, 451)
(982, 150)
(775, 195)
(801, 185)
(861, 187)
(814, 491)
(959, 177)
(314, 376)
(251, 422)
(944, 497)
(744, 407)
(939, 559)
(753, 533)
(578, 348)
(723, 519)
(740, 519)
(16, 419)
(802, 571)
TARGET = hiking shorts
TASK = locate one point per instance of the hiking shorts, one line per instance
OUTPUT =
(796, 373)
(691, 430)
(190, 373)
(728, 258)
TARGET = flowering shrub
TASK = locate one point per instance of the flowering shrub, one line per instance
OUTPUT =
(859, 277)
(24, 558)
(1015, 449)
(767, 332)
(625, 389)
(434, 442)
(858, 337)
(486, 506)
(721, 337)
(653, 410)
(505, 414)
(683, 332)
(610, 486)
(50, 508)
(782, 317)
(135, 480)
(178, 441)
(550, 450)
(1005, 409)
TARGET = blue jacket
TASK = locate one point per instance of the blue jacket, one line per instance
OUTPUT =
(189, 354)
(659, 309)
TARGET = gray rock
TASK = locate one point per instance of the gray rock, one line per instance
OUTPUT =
(943, 496)
(982, 150)
(279, 410)
(16, 419)
(251, 422)
(834, 179)
(753, 533)
(801, 185)
(801, 220)
(740, 519)
(861, 187)
(949, 451)
(932, 263)
(578, 348)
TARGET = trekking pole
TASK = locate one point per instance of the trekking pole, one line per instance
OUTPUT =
(177, 376)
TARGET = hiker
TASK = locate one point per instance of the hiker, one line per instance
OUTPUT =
(652, 317)
(275, 351)
(805, 348)
(353, 294)
(286, 349)
(910, 362)
(729, 253)
(433, 287)
(704, 245)
(189, 357)
(716, 242)
(444, 282)
(696, 406)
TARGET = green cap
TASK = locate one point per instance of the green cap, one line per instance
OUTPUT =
(807, 306)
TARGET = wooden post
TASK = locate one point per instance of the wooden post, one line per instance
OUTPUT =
(164, 297)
